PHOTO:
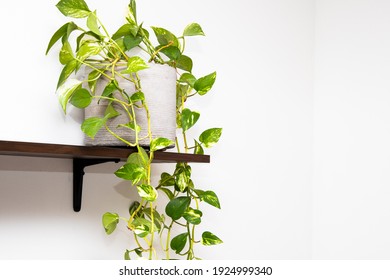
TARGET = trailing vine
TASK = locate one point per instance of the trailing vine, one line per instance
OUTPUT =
(106, 56)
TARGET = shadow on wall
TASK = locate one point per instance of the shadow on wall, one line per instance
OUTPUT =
(44, 186)
(17, 163)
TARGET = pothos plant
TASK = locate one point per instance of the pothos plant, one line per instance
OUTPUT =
(102, 53)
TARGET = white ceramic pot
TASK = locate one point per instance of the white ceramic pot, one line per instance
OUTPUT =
(159, 86)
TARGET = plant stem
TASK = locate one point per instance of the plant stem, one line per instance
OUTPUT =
(152, 231)
(177, 145)
(93, 67)
(185, 142)
(118, 137)
(191, 244)
(168, 239)
(109, 37)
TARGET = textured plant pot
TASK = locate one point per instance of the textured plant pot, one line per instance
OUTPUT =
(159, 86)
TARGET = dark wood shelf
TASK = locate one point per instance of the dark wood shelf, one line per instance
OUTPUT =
(88, 155)
(90, 152)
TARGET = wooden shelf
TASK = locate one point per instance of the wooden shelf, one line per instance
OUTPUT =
(89, 152)
(88, 155)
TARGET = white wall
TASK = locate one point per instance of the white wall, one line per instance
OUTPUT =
(302, 84)
(352, 130)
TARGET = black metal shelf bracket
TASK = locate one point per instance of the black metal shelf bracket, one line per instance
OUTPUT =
(78, 173)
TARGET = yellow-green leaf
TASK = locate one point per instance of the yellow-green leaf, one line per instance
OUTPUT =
(66, 90)
(66, 53)
(209, 239)
(193, 29)
(204, 84)
(88, 49)
(210, 197)
(160, 143)
(165, 37)
(135, 64)
(73, 8)
(193, 216)
(63, 31)
(188, 118)
(210, 137)
(67, 71)
(185, 63)
(110, 220)
(91, 126)
(147, 192)
(132, 172)
(92, 24)
(81, 98)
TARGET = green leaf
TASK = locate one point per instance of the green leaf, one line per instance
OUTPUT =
(210, 239)
(179, 242)
(137, 159)
(92, 125)
(133, 10)
(132, 126)
(81, 98)
(66, 53)
(137, 96)
(110, 220)
(198, 148)
(183, 168)
(188, 118)
(93, 77)
(168, 193)
(193, 29)
(181, 93)
(144, 155)
(138, 252)
(66, 90)
(182, 181)
(111, 112)
(126, 29)
(87, 50)
(141, 227)
(66, 72)
(176, 207)
(143, 32)
(199, 192)
(135, 64)
(61, 32)
(147, 192)
(133, 207)
(111, 87)
(165, 37)
(158, 219)
(204, 84)
(131, 41)
(188, 78)
(185, 63)
(210, 197)
(127, 255)
(160, 143)
(166, 180)
(132, 172)
(173, 53)
(193, 216)
(71, 27)
(210, 137)
(73, 8)
(92, 24)
(80, 41)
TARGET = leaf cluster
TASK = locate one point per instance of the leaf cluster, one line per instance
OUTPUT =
(106, 57)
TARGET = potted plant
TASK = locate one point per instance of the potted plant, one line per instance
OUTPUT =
(101, 71)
